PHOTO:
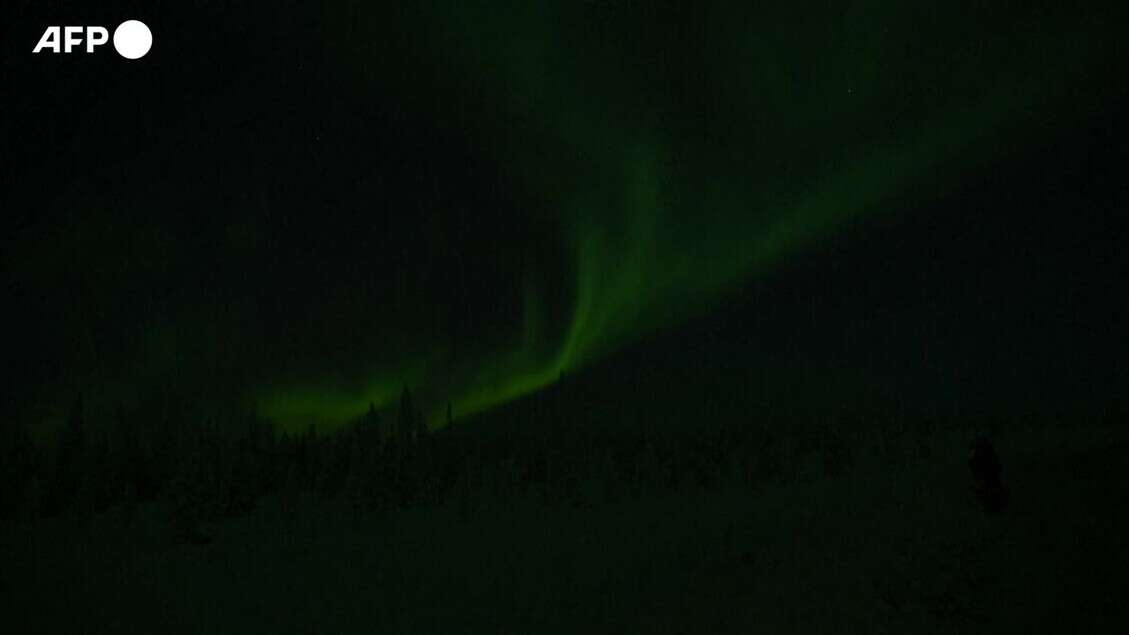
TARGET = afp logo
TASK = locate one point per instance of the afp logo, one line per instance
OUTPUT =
(132, 39)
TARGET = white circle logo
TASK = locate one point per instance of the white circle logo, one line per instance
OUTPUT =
(133, 39)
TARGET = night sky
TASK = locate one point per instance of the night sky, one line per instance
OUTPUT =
(302, 211)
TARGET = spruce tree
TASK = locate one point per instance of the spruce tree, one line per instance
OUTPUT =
(407, 421)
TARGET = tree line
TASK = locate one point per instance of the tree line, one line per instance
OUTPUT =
(203, 471)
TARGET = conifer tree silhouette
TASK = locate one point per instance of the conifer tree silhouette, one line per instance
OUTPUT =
(407, 421)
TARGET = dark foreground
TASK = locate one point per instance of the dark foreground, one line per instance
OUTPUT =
(902, 549)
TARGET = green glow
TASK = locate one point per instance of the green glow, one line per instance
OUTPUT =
(662, 224)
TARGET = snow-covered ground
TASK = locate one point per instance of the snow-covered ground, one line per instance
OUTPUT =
(878, 550)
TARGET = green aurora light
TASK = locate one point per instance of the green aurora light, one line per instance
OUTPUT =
(663, 216)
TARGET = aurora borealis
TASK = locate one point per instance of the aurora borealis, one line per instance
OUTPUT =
(470, 200)
(564, 317)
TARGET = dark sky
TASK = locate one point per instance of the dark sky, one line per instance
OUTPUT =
(303, 210)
